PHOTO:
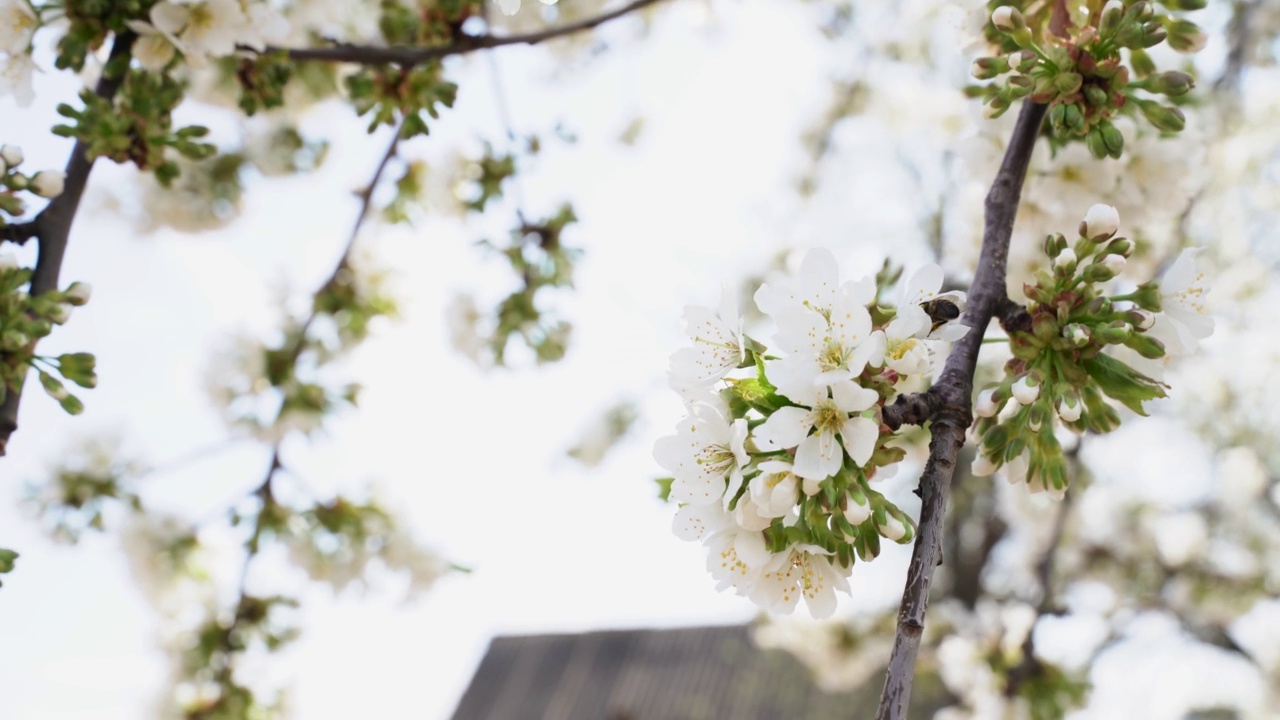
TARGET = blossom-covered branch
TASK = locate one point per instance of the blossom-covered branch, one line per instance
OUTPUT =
(462, 44)
(954, 389)
(52, 227)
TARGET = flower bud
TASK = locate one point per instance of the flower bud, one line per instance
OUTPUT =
(1035, 418)
(856, 509)
(11, 154)
(892, 528)
(1112, 12)
(1065, 261)
(985, 404)
(1096, 144)
(1145, 345)
(1185, 36)
(982, 466)
(8, 262)
(1113, 138)
(1096, 96)
(1119, 246)
(1147, 296)
(1070, 408)
(1172, 83)
(1114, 263)
(60, 313)
(1008, 19)
(985, 68)
(1165, 119)
(1054, 244)
(1076, 334)
(1023, 60)
(48, 183)
(1101, 221)
(78, 293)
(1024, 391)
(1141, 319)
(1114, 333)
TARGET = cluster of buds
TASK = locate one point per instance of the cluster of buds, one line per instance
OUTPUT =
(1064, 365)
(44, 183)
(24, 320)
(1080, 73)
(774, 464)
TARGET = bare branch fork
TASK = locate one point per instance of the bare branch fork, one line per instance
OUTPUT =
(410, 56)
(950, 400)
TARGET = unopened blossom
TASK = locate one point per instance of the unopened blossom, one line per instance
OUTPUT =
(857, 509)
(718, 345)
(776, 489)
(1065, 259)
(18, 22)
(1017, 471)
(803, 571)
(11, 155)
(705, 451)
(985, 404)
(79, 293)
(48, 183)
(818, 455)
(1100, 221)
(1024, 392)
(1069, 409)
(892, 528)
(1114, 263)
(8, 262)
(982, 466)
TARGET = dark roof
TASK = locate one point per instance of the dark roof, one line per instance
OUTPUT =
(677, 674)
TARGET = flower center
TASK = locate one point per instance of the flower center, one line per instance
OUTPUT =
(828, 418)
(835, 356)
(897, 349)
(716, 458)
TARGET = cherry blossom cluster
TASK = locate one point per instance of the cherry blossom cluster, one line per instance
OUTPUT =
(1078, 346)
(43, 183)
(774, 464)
(1074, 65)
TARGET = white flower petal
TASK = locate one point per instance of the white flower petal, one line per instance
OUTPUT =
(859, 437)
(784, 429)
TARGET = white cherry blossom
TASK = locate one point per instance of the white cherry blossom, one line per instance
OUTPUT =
(18, 22)
(803, 570)
(718, 345)
(818, 456)
(1183, 321)
(202, 30)
(705, 450)
(736, 559)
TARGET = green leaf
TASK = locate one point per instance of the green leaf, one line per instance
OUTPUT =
(664, 488)
(1122, 383)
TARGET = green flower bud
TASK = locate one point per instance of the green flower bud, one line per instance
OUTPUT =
(1112, 13)
(1172, 83)
(1095, 95)
(1147, 296)
(1054, 244)
(1185, 36)
(1067, 83)
(1112, 137)
(1166, 119)
(1142, 63)
(985, 68)
(1097, 146)
(1113, 333)
(1145, 345)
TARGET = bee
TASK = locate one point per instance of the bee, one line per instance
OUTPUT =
(943, 309)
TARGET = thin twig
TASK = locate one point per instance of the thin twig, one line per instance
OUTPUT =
(410, 56)
(52, 226)
(954, 390)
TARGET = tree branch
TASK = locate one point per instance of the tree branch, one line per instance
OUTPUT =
(52, 226)
(910, 409)
(410, 56)
(1012, 316)
(18, 233)
(954, 391)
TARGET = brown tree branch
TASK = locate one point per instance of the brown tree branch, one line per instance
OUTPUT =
(910, 409)
(954, 390)
(52, 226)
(18, 233)
(410, 56)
